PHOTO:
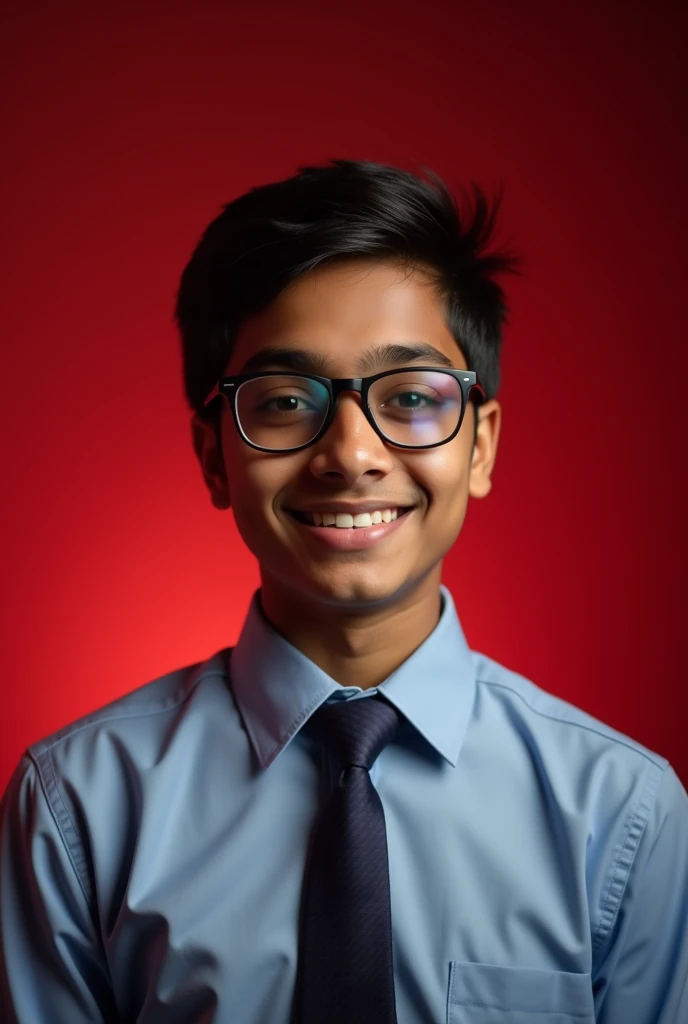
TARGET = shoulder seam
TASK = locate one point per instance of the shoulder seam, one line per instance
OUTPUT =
(658, 760)
(625, 859)
(63, 822)
(44, 746)
(39, 755)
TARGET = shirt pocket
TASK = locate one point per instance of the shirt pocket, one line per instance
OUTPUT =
(489, 994)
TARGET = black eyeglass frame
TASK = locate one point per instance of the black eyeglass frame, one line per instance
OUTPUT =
(229, 386)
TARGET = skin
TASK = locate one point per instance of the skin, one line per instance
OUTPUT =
(360, 614)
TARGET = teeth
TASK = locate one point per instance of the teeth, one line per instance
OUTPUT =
(344, 521)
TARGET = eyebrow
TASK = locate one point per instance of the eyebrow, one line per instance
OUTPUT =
(379, 357)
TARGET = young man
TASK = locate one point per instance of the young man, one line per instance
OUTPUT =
(349, 816)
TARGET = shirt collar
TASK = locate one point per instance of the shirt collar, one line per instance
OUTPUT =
(277, 688)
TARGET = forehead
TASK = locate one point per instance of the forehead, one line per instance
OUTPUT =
(347, 314)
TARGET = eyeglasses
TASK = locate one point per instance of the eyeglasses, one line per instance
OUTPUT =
(412, 407)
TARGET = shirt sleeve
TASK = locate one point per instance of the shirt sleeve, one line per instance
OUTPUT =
(643, 977)
(52, 966)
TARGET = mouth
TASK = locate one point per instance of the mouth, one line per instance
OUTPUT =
(349, 533)
(346, 521)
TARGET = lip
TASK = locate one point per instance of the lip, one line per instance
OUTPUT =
(355, 538)
(350, 508)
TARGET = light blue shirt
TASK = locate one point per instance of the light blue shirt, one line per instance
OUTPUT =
(153, 852)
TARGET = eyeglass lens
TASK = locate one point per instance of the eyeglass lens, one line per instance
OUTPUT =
(418, 407)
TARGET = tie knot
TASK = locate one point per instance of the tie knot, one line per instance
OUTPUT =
(356, 731)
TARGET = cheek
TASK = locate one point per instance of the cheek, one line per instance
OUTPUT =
(251, 503)
(442, 473)
(444, 477)
(255, 481)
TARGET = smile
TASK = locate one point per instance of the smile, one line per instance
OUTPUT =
(346, 521)
(347, 536)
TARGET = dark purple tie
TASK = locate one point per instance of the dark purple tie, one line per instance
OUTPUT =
(345, 972)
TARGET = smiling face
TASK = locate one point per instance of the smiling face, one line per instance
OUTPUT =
(339, 313)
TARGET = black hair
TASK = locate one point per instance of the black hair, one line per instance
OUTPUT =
(346, 209)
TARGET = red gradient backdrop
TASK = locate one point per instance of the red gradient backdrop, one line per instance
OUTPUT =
(125, 130)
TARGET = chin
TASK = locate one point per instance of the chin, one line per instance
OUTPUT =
(357, 588)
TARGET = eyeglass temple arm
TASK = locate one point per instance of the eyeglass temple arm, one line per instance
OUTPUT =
(213, 394)
(479, 388)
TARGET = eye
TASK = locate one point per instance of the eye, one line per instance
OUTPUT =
(271, 400)
(413, 400)
(285, 403)
(409, 401)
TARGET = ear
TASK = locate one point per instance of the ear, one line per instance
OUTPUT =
(485, 449)
(209, 455)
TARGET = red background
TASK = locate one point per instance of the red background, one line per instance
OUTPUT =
(125, 132)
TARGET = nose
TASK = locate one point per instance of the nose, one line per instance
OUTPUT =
(350, 448)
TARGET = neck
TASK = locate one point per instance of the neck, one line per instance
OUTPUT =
(355, 648)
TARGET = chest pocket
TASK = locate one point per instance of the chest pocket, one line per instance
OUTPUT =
(488, 994)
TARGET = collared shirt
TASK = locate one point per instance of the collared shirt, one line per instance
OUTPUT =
(153, 852)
